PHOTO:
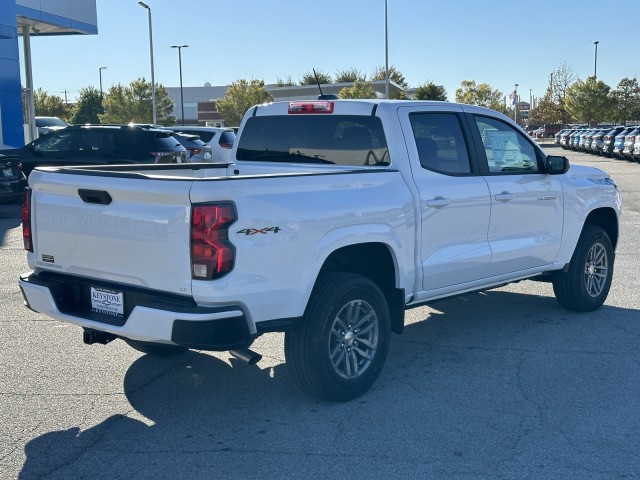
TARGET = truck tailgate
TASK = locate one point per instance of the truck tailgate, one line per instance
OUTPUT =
(133, 231)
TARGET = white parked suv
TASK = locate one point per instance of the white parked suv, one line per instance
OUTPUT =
(220, 139)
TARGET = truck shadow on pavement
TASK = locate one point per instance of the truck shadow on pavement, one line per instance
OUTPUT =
(495, 383)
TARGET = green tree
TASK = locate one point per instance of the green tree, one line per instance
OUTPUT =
(482, 95)
(310, 79)
(240, 97)
(394, 75)
(49, 105)
(285, 82)
(626, 98)
(430, 91)
(559, 82)
(589, 101)
(133, 104)
(351, 75)
(360, 89)
(88, 107)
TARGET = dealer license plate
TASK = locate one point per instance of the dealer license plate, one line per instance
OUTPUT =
(107, 301)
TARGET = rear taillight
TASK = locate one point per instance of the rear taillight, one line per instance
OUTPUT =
(226, 145)
(26, 220)
(194, 151)
(212, 254)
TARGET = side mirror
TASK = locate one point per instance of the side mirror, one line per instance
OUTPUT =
(557, 165)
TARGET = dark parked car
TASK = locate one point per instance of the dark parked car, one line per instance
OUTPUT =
(629, 142)
(609, 139)
(565, 137)
(100, 145)
(12, 180)
(618, 142)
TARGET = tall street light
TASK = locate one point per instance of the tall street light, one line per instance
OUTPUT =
(180, 47)
(515, 104)
(595, 61)
(386, 53)
(153, 81)
(100, 73)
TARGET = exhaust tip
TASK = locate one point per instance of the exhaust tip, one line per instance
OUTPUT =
(248, 356)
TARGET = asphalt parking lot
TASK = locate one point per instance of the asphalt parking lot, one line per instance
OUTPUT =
(502, 384)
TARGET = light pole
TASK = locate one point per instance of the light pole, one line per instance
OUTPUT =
(100, 73)
(386, 53)
(153, 81)
(595, 61)
(515, 104)
(180, 47)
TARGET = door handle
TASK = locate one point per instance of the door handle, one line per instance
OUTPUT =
(438, 202)
(504, 196)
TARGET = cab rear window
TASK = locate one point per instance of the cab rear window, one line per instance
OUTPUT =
(329, 139)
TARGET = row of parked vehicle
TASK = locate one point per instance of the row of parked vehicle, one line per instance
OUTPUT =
(620, 142)
(112, 144)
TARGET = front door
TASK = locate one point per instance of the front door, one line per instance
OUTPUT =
(525, 230)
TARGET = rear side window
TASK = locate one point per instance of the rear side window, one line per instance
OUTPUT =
(227, 139)
(331, 139)
(204, 135)
(57, 142)
(440, 142)
(165, 141)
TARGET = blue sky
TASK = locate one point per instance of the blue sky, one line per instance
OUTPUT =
(499, 42)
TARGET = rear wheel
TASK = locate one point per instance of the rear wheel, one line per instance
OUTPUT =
(339, 349)
(585, 286)
(155, 349)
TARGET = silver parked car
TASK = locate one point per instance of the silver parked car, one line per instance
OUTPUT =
(220, 139)
(49, 124)
(197, 150)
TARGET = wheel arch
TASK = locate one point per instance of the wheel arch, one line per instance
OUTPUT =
(377, 262)
(607, 219)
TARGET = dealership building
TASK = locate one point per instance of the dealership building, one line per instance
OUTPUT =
(19, 21)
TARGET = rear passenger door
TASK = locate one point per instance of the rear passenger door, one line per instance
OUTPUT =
(96, 146)
(525, 229)
(454, 203)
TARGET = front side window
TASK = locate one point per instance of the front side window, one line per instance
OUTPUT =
(330, 139)
(55, 142)
(506, 149)
(440, 142)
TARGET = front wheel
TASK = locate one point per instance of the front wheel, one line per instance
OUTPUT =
(339, 349)
(585, 286)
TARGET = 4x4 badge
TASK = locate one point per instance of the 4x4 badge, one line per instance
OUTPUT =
(264, 231)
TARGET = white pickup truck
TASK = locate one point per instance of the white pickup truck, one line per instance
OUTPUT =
(333, 218)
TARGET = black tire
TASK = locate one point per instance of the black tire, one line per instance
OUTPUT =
(155, 349)
(339, 349)
(585, 286)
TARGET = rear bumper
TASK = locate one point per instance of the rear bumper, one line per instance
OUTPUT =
(149, 316)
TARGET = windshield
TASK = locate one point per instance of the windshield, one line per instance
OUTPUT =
(328, 139)
(50, 122)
